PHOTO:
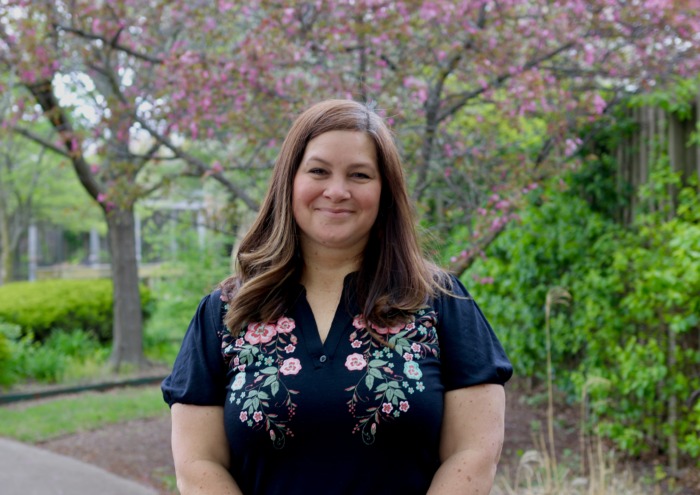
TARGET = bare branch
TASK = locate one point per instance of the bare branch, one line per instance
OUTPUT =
(45, 97)
(199, 165)
(109, 42)
(41, 141)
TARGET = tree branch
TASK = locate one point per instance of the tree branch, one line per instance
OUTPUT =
(41, 141)
(463, 98)
(45, 97)
(198, 164)
(113, 42)
(463, 263)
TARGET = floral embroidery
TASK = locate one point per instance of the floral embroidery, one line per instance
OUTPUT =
(355, 362)
(381, 392)
(266, 347)
(290, 366)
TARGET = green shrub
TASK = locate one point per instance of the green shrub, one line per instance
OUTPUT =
(42, 306)
(52, 360)
(628, 341)
(7, 372)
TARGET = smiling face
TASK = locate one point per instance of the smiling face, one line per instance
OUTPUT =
(337, 190)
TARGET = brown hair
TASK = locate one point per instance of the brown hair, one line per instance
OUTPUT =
(394, 278)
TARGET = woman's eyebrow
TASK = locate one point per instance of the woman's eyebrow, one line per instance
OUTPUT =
(314, 158)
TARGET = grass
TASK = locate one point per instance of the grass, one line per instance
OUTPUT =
(44, 420)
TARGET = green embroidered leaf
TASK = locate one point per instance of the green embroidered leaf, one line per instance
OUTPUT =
(382, 387)
(369, 381)
(375, 373)
(274, 388)
(247, 403)
(389, 394)
(377, 362)
(263, 395)
(270, 370)
(269, 380)
(399, 393)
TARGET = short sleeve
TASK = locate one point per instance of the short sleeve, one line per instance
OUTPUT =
(470, 352)
(199, 373)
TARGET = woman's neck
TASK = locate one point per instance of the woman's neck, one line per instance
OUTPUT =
(326, 271)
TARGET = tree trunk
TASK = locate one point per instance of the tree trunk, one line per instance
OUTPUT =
(5, 251)
(127, 332)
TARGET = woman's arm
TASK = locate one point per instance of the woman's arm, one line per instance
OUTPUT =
(471, 440)
(200, 451)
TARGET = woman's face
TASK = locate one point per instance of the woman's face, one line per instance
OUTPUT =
(337, 189)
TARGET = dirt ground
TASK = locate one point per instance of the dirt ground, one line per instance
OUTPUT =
(140, 449)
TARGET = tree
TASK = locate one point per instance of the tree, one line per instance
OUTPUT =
(36, 187)
(182, 74)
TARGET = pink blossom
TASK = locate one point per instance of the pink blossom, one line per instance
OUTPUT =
(599, 104)
(502, 204)
(356, 344)
(285, 325)
(355, 362)
(408, 356)
(387, 408)
(415, 347)
(101, 197)
(257, 416)
(217, 168)
(243, 416)
(289, 349)
(290, 366)
(260, 333)
(239, 342)
(359, 322)
(403, 405)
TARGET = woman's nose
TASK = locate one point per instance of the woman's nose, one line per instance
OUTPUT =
(337, 190)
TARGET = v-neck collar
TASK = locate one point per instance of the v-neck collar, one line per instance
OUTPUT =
(322, 351)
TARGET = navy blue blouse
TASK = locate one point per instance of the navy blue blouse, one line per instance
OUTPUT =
(347, 416)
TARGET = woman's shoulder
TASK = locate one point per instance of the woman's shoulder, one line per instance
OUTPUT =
(227, 289)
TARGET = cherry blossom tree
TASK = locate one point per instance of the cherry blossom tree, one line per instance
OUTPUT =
(485, 96)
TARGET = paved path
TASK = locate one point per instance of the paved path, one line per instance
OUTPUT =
(28, 470)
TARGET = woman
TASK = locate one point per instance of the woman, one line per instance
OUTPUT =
(337, 360)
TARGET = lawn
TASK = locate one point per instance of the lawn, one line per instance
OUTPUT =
(37, 421)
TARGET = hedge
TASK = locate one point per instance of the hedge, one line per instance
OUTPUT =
(42, 306)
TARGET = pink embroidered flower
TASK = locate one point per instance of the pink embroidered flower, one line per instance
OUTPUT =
(290, 366)
(239, 342)
(408, 356)
(411, 325)
(403, 405)
(257, 416)
(285, 325)
(415, 347)
(236, 361)
(387, 408)
(356, 344)
(243, 416)
(355, 362)
(388, 330)
(289, 349)
(260, 333)
(359, 322)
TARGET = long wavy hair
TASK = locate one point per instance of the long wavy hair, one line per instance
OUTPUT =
(394, 278)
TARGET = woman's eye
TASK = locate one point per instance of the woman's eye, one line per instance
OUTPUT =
(360, 175)
(317, 171)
